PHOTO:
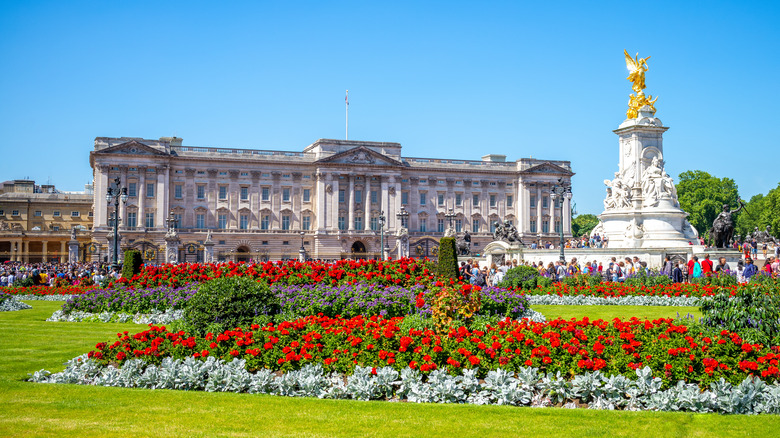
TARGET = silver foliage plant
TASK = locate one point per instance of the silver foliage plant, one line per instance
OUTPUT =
(31, 297)
(165, 317)
(12, 305)
(631, 300)
(526, 387)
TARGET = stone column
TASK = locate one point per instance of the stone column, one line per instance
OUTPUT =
(162, 196)
(384, 197)
(44, 250)
(26, 252)
(276, 200)
(172, 248)
(538, 209)
(332, 221)
(101, 180)
(233, 196)
(189, 198)
(141, 192)
(351, 202)
(211, 197)
(522, 207)
(297, 195)
(367, 202)
(208, 250)
(122, 214)
(254, 201)
(62, 251)
(320, 207)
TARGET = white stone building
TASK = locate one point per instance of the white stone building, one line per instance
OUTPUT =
(261, 204)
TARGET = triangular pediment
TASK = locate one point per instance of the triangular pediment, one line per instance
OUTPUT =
(360, 155)
(547, 168)
(132, 147)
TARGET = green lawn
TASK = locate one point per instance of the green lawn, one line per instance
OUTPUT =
(27, 343)
(609, 312)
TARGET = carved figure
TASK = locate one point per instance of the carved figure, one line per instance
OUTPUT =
(637, 67)
(464, 245)
(73, 232)
(723, 225)
(328, 188)
(506, 231)
(498, 231)
(765, 236)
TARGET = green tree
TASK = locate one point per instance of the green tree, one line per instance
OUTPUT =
(583, 224)
(702, 196)
(751, 216)
(768, 214)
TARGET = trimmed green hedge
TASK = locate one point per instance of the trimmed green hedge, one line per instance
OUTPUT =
(448, 258)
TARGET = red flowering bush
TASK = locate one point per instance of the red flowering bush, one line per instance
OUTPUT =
(571, 347)
(453, 303)
(46, 290)
(402, 272)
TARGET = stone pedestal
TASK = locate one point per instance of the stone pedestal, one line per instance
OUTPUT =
(208, 251)
(641, 209)
(110, 239)
(73, 251)
(172, 249)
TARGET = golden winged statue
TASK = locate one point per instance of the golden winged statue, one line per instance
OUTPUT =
(637, 67)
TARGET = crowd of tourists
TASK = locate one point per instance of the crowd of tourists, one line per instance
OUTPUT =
(54, 274)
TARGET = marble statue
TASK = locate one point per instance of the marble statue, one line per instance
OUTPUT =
(506, 231)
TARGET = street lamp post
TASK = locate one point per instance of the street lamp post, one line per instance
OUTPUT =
(114, 194)
(561, 190)
(382, 234)
(302, 251)
(402, 216)
(450, 215)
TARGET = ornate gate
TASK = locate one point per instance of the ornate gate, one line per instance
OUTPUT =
(425, 247)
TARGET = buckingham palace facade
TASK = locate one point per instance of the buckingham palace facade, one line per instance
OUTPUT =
(326, 199)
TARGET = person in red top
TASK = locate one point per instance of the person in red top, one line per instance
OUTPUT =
(706, 266)
(691, 263)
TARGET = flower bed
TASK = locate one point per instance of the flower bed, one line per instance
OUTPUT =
(527, 387)
(11, 304)
(46, 290)
(568, 347)
(130, 300)
(404, 272)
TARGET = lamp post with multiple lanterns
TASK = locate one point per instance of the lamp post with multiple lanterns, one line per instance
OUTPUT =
(115, 194)
(561, 190)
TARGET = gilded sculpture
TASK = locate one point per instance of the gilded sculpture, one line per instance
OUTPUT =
(637, 67)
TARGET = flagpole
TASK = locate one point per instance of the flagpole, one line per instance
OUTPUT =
(346, 100)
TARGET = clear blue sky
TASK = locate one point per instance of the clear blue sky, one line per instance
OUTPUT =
(445, 79)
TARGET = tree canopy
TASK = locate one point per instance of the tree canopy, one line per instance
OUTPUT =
(583, 224)
(702, 196)
(759, 212)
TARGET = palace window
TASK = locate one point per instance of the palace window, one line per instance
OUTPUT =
(200, 220)
(475, 200)
(243, 222)
(557, 226)
(177, 220)
(244, 193)
(440, 225)
(404, 198)
(265, 222)
(150, 190)
(532, 201)
(342, 223)
(342, 195)
(374, 224)
(306, 224)
(72, 214)
(132, 219)
(286, 194)
(374, 197)
(222, 193)
(533, 225)
(358, 223)
(423, 199)
(266, 193)
(423, 224)
(131, 189)
(440, 199)
(492, 200)
(458, 225)
(56, 213)
(545, 201)
(509, 200)
(306, 195)
(201, 191)
(475, 226)
(286, 222)
(177, 191)
(458, 199)
(545, 226)
(38, 213)
(492, 226)
(222, 221)
(149, 223)
(358, 196)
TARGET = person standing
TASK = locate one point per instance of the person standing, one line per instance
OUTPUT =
(706, 266)
(677, 273)
(722, 265)
(750, 270)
